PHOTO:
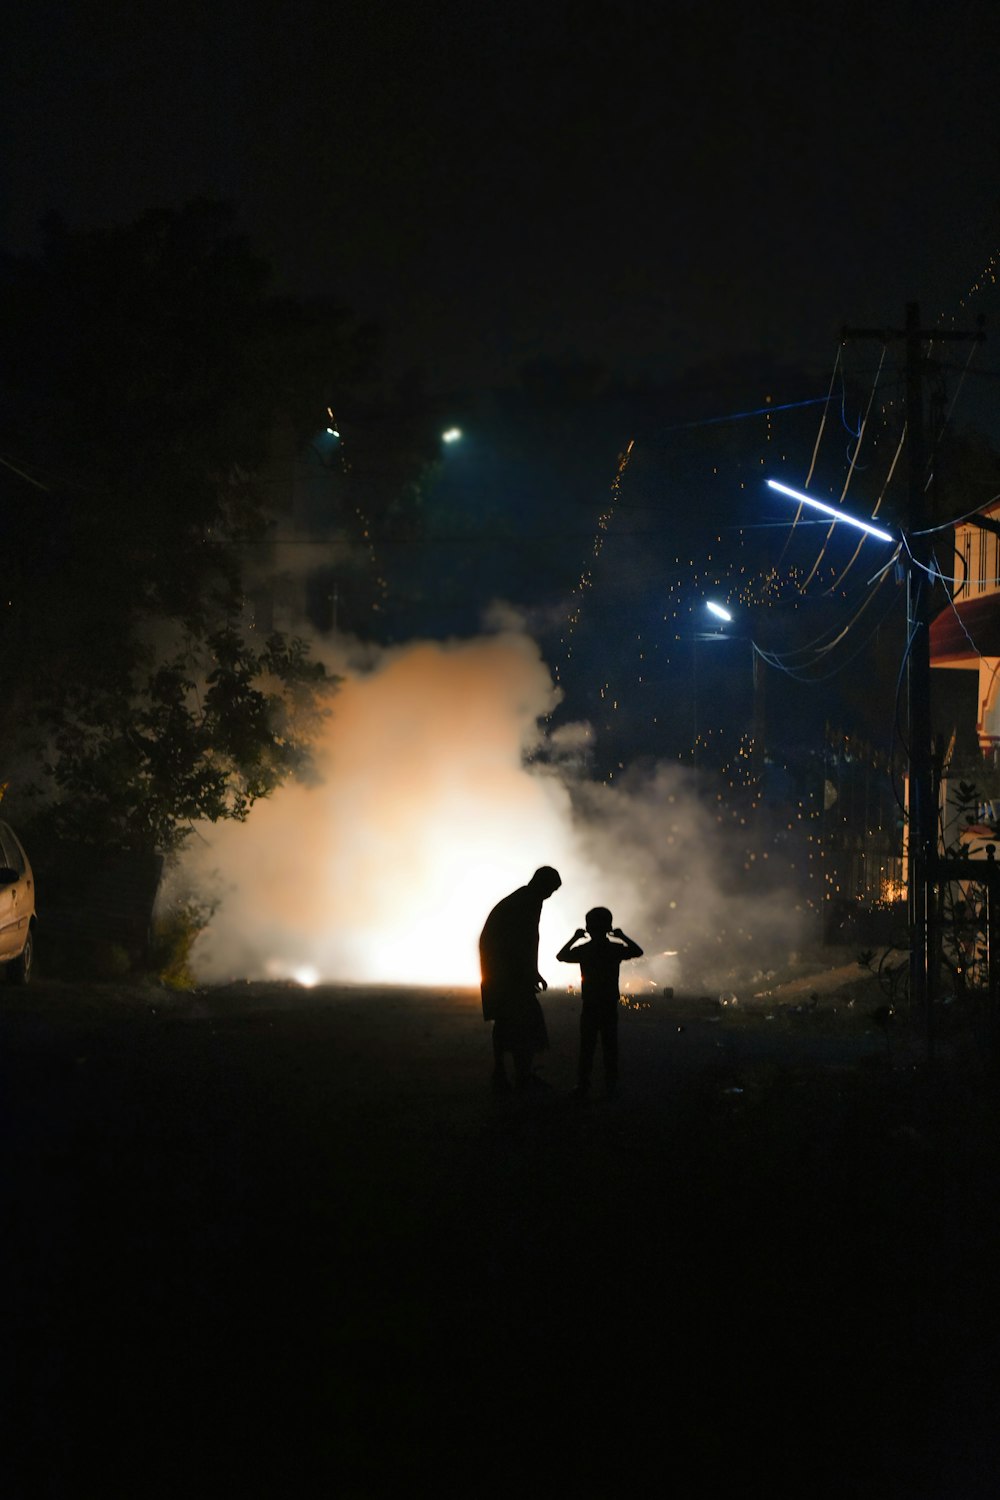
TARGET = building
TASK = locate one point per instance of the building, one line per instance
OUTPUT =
(965, 635)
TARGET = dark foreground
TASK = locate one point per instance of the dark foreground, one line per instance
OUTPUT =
(265, 1241)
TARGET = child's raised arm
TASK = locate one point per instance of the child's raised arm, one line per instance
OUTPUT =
(632, 950)
(567, 953)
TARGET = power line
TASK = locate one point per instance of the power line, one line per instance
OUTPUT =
(739, 416)
(850, 474)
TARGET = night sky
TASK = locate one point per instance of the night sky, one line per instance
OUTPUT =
(651, 187)
(693, 199)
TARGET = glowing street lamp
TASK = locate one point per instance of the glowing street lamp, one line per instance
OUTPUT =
(830, 510)
(719, 636)
(451, 435)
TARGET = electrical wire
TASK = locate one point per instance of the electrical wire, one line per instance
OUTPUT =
(882, 494)
(958, 520)
(22, 475)
(936, 575)
(961, 381)
(801, 670)
(850, 473)
(799, 675)
(897, 725)
(820, 646)
(854, 432)
(945, 364)
(812, 465)
(739, 416)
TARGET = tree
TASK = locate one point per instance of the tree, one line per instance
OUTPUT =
(200, 735)
(149, 367)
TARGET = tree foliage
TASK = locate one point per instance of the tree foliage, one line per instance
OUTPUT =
(201, 734)
(150, 368)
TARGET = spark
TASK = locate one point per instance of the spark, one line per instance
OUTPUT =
(587, 576)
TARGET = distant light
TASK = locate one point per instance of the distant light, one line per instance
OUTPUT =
(333, 432)
(717, 609)
(306, 975)
(829, 510)
(452, 435)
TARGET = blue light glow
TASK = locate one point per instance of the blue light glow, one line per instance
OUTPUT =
(452, 435)
(829, 510)
(717, 609)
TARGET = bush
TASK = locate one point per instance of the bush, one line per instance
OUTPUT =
(175, 930)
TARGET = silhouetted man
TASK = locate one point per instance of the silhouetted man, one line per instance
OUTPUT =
(508, 961)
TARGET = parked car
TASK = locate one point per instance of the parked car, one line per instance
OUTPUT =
(17, 907)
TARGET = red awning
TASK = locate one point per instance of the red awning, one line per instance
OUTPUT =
(965, 631)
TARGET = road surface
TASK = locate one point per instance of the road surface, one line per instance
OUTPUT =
(263, 1240)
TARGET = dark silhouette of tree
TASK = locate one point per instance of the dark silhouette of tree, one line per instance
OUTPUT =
(149, 368)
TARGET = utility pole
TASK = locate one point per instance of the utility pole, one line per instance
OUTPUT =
(922, 830)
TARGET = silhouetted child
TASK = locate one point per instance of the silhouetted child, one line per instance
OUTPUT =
(599, 959)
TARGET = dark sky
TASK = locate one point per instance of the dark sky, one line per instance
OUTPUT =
(653, 188)
(648, 186)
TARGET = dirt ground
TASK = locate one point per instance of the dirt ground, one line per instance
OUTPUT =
(263, 1240)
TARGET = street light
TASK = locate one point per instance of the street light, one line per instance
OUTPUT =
(830, 510)
(451, 435)
(718, 634)
(726, 617)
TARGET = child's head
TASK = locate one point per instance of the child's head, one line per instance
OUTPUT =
(598, 921)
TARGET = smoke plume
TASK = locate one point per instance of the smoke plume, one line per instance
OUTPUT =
(441, 789)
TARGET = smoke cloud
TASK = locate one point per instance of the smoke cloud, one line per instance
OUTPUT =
(441, 789)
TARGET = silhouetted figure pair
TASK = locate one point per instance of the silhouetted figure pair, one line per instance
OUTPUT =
(508, 958)
(599, 957)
